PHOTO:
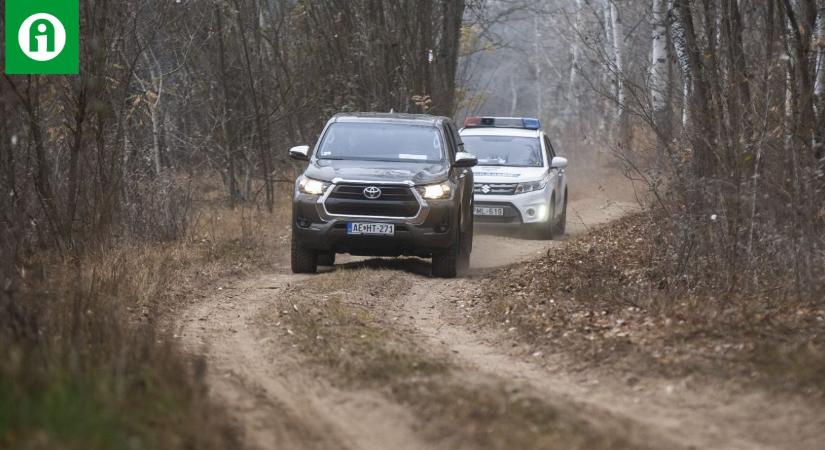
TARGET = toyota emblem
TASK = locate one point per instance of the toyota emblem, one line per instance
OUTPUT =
(372, 192)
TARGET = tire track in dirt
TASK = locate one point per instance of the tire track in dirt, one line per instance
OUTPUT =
(666, 413)
(279, 403)
(276, 402)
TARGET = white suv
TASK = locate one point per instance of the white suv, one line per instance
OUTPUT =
(519, 179)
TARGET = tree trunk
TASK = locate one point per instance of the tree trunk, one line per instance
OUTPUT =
(618, 56)
(659, 79)
(225, 136)
(266, 165)
(702, 133)
(539, 79)
(819, 85)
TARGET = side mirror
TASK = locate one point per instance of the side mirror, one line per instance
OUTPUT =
(464, 159)
(300, 152)
(558, 163)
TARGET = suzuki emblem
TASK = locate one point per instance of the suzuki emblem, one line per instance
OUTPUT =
(372, 192)
(485, 189)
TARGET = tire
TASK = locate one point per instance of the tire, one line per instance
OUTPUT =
(447, 263)
(465, 249)
(561, 226)
(303, 260)
(326, 259)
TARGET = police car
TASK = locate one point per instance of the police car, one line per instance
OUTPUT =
(519, 179)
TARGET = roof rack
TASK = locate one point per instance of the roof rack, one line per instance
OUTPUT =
(526, 123)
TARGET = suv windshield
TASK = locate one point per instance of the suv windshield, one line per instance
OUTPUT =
(505, 150)
(381, 142)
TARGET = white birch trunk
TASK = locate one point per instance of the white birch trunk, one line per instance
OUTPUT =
(618, 40)
(574, 65)
(514, 97)
(660, 80)
(608, 40)
(572, 107)
(539, 77)
(659, 61)
(819, 82)
(154, 109)
(677, 36)
(819, 40)
(685, 102)
(789, 107)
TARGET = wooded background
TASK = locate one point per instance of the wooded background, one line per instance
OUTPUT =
(717, 106)
(169, 88)
(163, 167)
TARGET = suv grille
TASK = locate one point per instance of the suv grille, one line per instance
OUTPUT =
(349, 200)
(495, 188)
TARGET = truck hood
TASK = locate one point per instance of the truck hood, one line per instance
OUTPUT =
(378, 171)
(498, 174)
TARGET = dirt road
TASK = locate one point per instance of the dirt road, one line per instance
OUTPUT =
(383, 357)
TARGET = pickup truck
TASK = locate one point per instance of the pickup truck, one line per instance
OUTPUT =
(384, 185)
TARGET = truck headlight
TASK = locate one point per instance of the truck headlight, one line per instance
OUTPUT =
(312, 187)
(435, 191)
(531, 186)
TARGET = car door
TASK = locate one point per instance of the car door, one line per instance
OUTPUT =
(464, 176)
(558, 180)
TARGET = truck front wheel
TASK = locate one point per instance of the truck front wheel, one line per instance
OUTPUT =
(303, 259)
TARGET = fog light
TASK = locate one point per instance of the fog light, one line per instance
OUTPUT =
(531, 212)
(303, 223)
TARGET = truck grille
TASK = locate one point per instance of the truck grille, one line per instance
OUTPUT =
(495, 188)
(388, 193)
(395, 201)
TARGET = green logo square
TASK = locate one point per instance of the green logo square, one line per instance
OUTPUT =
(42, 37)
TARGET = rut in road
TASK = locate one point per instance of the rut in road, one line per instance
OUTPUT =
(709, 417)
(275, 402)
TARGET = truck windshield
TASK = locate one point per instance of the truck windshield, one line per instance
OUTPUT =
(507, 151)
(381, 142)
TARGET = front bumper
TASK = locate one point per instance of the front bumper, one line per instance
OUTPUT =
(529, 208)
(428, 232)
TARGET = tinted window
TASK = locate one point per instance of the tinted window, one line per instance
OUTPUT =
(449, 133)
(505, 150)
(381, 142)
(551, 152)
(457, 138)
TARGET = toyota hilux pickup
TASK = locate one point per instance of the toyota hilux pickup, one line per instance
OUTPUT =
(384, 185)
(520, 181)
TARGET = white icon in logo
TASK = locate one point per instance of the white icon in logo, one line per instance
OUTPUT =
(42, 37)
(372, 192)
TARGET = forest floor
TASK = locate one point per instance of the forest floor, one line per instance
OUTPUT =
(374, 354)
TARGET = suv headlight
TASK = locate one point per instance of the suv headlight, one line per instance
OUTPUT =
(531, 186)
(312, 187)
(435, 191)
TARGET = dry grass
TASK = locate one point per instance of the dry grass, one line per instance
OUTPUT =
(330, 320)
(85, 360)
(605, 300)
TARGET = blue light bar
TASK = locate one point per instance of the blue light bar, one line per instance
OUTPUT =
(503, 122)
(531, 124)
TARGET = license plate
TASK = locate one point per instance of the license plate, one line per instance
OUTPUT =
(482, 211)
(371, 229)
